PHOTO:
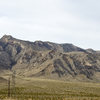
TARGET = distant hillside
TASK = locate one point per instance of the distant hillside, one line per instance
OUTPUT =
(49, 60)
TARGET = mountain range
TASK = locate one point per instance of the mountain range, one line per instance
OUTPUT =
(49, 60)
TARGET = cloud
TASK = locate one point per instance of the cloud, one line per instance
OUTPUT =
(59, 21)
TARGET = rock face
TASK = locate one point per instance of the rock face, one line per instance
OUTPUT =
(49, 60)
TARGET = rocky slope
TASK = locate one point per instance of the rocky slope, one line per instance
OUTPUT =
(49, 60)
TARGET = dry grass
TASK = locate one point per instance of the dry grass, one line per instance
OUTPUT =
(41, 89)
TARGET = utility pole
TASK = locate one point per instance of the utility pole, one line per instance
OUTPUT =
(13, 82)
(13, 79)
(9, 87)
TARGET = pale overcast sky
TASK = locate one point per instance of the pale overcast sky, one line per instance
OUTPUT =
(61, 21)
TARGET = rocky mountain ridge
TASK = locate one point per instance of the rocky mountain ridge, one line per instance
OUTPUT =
(49, 60)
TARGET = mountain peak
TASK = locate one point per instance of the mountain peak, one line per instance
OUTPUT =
(7, 37)
(47, 59)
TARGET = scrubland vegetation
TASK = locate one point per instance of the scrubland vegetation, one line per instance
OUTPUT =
(42, 89)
